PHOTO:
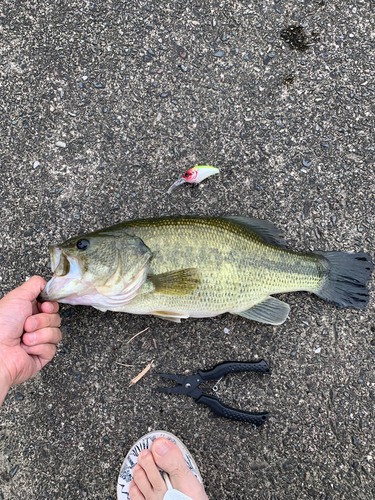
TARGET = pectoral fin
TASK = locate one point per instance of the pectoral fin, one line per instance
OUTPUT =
(180, 282)
(170, 316)
(271, 311)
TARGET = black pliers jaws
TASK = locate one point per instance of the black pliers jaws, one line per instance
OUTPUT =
(190, 386)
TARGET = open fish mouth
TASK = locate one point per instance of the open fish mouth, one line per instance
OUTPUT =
(55, 253)
(67, 276)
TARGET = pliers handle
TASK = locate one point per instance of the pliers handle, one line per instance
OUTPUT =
(233, 367)
(226, 411)
(190, 386)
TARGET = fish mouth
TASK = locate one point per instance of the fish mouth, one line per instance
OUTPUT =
(66, 280)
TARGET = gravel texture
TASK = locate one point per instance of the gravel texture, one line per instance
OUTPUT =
(103, 105)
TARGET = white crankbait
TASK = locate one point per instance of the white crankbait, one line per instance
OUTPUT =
(194, 176)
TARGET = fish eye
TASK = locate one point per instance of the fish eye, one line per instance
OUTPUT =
(83, 244)
(187, 174)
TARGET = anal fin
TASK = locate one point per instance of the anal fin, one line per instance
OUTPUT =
(271, 311)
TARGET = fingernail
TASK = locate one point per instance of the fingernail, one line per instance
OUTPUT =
(33, 322)
(144, 453)
(162, 446)
(49, 306)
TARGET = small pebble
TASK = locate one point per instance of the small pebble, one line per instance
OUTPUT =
(226, 330)
(84, 78)
(306, 162)
(61, 144)
(219, 53)
(36, 164)
(318, 350)
(13, 472)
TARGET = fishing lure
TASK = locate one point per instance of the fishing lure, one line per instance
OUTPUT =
(194, 176)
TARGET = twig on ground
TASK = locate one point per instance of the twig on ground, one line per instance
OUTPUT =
(140, 375)
(136, 335)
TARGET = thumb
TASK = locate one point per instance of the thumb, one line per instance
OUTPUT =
(30, 289)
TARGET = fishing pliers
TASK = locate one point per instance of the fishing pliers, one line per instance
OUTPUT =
(190, 386)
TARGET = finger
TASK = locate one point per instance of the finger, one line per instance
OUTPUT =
(48, 307)
(45, 352)
(30, 289)
(41, 320)
(44, 336)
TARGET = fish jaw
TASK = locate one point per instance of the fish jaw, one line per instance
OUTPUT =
(67, 278)
(55, 253)
(61, 288)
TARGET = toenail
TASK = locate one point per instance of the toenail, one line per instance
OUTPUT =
(144, 453)
(136, 467)
(161, 447)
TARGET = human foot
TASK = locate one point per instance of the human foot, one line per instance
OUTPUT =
(153, 453)
(148, 483)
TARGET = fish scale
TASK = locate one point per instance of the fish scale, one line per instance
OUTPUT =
(237, 269)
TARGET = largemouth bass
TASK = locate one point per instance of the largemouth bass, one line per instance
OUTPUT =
(181, 267)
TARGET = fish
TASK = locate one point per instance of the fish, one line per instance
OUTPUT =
(194, 175)
(187, 266)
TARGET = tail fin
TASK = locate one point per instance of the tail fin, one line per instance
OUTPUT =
(346, 275)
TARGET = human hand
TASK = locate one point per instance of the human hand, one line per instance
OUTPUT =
(29, 332)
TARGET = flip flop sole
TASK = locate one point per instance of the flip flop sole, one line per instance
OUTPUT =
(131, 459)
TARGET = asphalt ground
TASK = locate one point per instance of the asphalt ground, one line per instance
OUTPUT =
(103, 105)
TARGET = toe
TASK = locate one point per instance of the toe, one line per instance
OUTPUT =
(134, 492)
(142, 482)
(147, 462)
(169, 458)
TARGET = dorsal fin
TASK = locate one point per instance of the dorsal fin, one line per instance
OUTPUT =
(263, 228)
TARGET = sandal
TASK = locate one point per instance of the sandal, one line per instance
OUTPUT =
(125, 477)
